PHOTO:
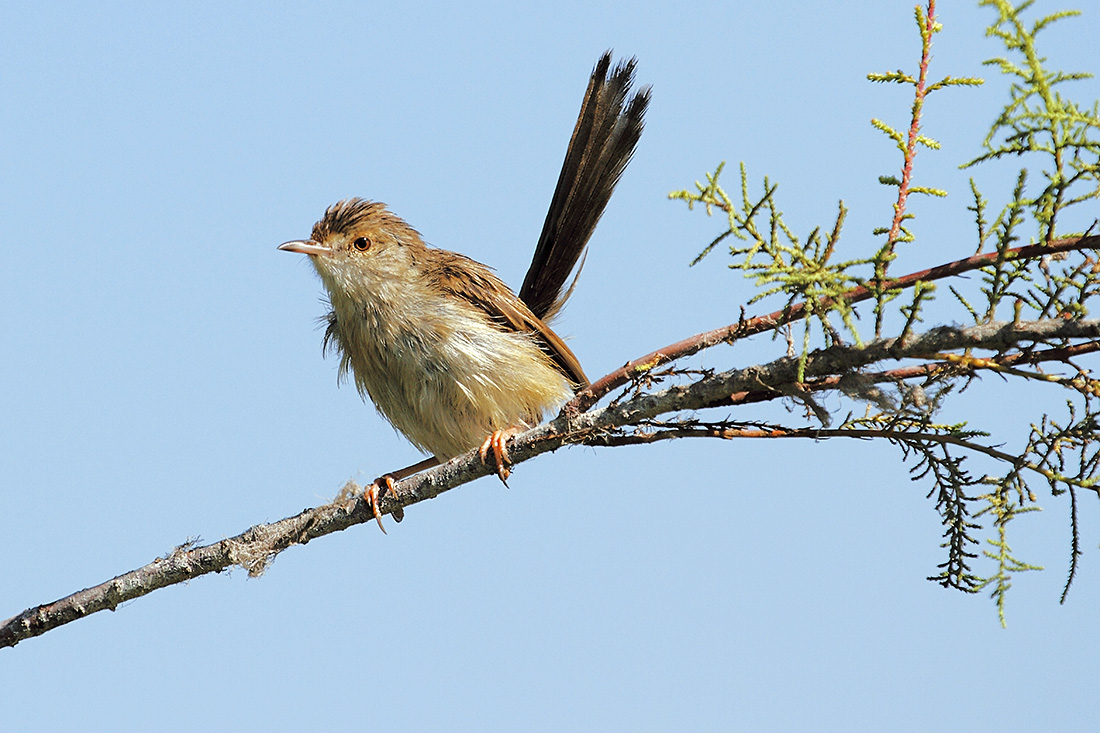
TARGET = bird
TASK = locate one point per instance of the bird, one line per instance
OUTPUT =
(449, 354)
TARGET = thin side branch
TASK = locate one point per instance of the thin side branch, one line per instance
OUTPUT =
(644, 437)
(760, 324)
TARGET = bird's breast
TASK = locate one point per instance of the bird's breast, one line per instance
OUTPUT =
(440, 370)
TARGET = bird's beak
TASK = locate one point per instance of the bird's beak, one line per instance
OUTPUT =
(306, 247)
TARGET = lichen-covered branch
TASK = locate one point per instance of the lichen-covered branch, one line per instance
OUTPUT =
(256, 547)
(747, 327)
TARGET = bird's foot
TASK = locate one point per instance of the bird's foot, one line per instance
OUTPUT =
(496, 442)
(383, 484)
(378, 487)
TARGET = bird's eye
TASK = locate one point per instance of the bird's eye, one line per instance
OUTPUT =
(361, 243)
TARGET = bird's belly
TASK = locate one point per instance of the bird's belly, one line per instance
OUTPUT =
(446, 388)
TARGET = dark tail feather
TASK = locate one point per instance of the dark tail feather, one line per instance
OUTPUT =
(602, 144)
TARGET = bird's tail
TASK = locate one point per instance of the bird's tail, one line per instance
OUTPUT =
(603, 141)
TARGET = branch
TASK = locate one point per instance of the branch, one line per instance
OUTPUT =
(760, 324)
(724, 432)
(835, 360)
(255, 548)
(1061, 354)
(928, 26)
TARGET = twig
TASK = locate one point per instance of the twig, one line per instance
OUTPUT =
(760, 324)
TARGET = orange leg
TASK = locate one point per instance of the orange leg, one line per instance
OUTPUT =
(373, 492)
(383, 484)
(496, 442)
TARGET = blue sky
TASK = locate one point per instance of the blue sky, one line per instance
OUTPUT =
(161, 378)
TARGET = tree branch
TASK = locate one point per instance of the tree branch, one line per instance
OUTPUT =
(255, 548)
(918, 371)
(676, 431)
(752, 326)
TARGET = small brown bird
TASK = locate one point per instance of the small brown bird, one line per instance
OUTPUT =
(445, 350)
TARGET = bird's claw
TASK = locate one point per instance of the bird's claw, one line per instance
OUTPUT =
(372, 494)
(496, 442)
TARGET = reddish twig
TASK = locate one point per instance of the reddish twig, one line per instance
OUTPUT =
(760, 324)
(914, 131)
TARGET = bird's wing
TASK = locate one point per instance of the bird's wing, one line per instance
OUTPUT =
(476, 284)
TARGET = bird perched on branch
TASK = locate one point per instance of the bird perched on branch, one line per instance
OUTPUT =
(450, 355)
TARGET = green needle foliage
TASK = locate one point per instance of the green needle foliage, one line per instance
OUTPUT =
(1039, 120)
(1031, 271)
